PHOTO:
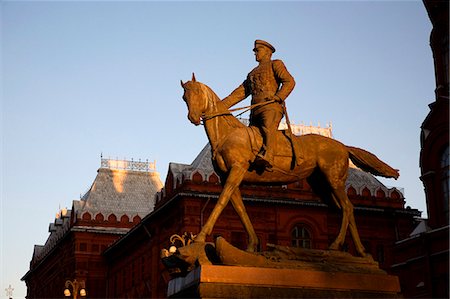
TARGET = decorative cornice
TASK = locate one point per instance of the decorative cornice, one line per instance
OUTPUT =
(117, 164)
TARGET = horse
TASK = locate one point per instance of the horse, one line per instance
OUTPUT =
(235, 146)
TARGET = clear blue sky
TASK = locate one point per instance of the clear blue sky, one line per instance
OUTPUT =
(84, 78)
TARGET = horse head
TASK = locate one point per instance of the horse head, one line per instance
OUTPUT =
(196, 100)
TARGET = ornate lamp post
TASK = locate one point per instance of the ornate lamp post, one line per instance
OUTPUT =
(77, 287)
(9, 292)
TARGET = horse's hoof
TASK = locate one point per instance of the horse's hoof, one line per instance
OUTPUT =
(362, 254)
(251, 249)
(333, 246)
(200, 238)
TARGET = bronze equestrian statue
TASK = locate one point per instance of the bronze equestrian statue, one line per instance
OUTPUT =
(237, 150)
(235, 147)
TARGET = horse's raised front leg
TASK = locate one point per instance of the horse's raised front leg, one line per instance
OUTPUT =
(233, 181)
(238, 204)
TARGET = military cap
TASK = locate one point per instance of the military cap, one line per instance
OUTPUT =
(263, 43)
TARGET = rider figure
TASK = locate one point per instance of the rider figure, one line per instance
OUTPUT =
(269, 81)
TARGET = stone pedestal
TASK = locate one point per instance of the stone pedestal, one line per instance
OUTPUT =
(217, 281)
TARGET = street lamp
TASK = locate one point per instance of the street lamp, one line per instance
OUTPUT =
(9, 292)
(76, 285)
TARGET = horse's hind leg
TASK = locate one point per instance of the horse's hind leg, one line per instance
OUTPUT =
(238, 204)
(355, 235)
(346, 208)
(348, 221)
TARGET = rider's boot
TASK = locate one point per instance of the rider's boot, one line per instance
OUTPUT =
(265, 159)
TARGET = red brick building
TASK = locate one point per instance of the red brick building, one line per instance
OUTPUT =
(120, 196)
(286, 215)
(422, 260)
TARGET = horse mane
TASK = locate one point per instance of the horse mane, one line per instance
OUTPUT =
(231, 120)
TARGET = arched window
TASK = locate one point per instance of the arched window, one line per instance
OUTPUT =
(99, 217)
(351, 191)
(112, 218)
(197, 177)
(301, 237)
(380, 194)
(124, 219)
(87, 216)
(213, 178)
(395, 195)
(445, 179)
(366, 192)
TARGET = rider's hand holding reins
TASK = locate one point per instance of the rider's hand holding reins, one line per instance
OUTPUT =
(275, 98)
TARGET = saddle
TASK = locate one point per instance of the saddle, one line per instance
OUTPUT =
(283, 147)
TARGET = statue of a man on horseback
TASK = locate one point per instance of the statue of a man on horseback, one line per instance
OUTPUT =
(269, 84)
(235, 147)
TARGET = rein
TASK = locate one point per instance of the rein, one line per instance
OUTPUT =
(245, 108)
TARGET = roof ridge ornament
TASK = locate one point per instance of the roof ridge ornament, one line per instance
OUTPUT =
(118, 164)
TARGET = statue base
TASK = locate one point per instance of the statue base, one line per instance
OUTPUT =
(217, 281)
(221, 270)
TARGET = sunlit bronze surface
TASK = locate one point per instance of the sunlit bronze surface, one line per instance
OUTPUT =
(235, 147)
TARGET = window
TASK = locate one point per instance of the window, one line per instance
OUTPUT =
(87, 216)
(197, 177)
(366, 192)
(142, 266)
(301, 237)
(213, 178)
(112, 218)
(133, 273)
(445, 179)
(116, 285)
(380, 194)
(83, 246)
(351, 191)
(124, 280)
(395, 195)
(99, 217)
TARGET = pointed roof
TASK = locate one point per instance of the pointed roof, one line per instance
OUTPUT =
(201, 164)
(121, 191)
(203, 160)
(422, 227)
(57, 230)
(360, 179)
(120, 188)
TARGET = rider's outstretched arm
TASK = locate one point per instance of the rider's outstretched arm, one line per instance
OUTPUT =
(237, 95)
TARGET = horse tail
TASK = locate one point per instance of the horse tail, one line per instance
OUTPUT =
(370, 163)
